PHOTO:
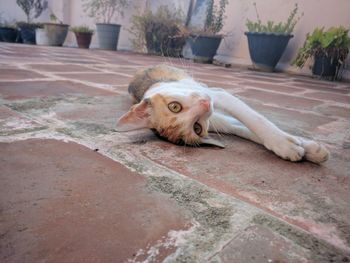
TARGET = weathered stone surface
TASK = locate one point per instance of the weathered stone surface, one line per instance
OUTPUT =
(342, 98)
(311, 196)
(94, 116)
(292, 119)
(61, 68)
(271, 87)
(12, 122)
(101, 78)
(62, 202)
(127, 70)
(263, 75)
(259, 244)
(35, 89)
(321, 87)
(270, 78)
(312, 83)
(279, 99)
(214, 77)
(224, 84)
(78, 60)
(18, 74)
(332, 110)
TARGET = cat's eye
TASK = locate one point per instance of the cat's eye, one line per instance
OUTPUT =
(197, 128)
(175, 107)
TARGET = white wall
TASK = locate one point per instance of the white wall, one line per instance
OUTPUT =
(182, 4)
(9, 11)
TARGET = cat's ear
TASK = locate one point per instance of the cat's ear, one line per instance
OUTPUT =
(136, 118)
(210, 141)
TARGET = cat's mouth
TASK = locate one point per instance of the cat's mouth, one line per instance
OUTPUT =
(194, 141)
(191, 138)
(179, 141)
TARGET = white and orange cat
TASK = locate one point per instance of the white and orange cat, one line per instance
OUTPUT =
(184, 111)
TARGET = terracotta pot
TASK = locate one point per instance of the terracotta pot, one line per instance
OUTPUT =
(83, 39)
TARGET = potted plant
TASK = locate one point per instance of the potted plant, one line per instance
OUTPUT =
(205, 42)
(52, 34)
(8, 32)
(32, 9)
(267, 42)
(105, 11)
(328, 49)
(161, 32)
(83, 34)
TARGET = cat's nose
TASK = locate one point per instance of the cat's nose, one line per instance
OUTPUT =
(205, 104)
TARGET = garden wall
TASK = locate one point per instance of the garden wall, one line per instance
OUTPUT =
(234, 48)
(72, 12)
(317, 13)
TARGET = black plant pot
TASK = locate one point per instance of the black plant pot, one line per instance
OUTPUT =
(172, 47)
(27, 34)
(175, 46)
(153, 45)
(8, 34)
(204, 47)
(19, 37)
(326, 67)
(266, 49)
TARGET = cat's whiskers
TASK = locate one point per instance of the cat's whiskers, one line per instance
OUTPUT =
(215, 128)
(167, 60)
(196, 144)
(186, 65)
(189, 68)
(185, 144)
(166, 57)
(182, 62)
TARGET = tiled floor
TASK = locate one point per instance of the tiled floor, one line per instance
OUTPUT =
(74, 190)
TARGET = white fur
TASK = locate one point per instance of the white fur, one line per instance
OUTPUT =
(227, 109)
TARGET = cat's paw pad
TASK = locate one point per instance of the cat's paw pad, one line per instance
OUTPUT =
(287, 147)
(315, 152)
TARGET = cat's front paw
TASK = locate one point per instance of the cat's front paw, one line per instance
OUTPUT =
(315, 152)
(286, 146)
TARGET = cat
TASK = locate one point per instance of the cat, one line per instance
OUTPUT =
(184, 111)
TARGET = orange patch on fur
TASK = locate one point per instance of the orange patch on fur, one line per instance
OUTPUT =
(158, 98)
(166, 72)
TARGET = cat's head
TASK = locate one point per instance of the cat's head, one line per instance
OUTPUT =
(179, 115)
